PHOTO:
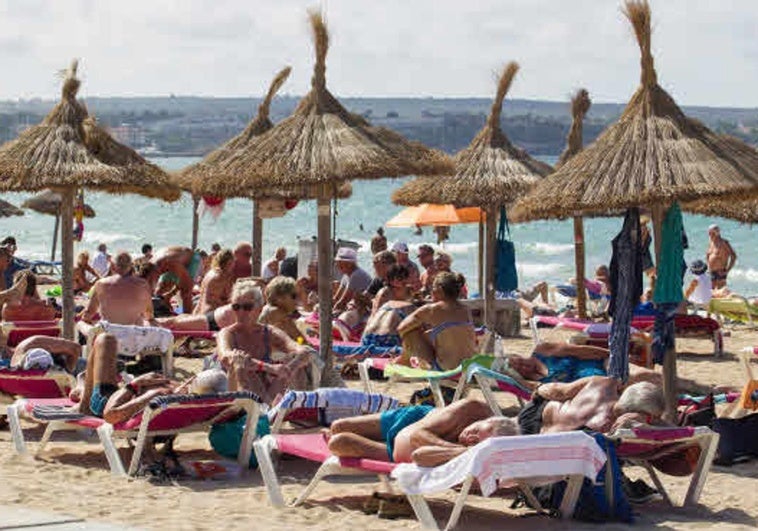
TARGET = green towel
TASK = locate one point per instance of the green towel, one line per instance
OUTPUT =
(668, 284)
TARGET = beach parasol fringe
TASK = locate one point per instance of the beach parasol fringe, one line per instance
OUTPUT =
(580, 105)
(321, 43)
(503, 85)
(276, 84)
(638, 13)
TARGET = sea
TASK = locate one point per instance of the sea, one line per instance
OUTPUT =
(544, 249)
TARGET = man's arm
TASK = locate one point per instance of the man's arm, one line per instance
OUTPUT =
(436, 455)
(185, 287)
(93, 304)
(560, 392)
(732, 258)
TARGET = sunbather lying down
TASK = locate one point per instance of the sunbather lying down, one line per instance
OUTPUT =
(430, 437)
(564, 362)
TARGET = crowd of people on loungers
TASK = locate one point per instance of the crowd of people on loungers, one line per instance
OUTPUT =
(261, 347)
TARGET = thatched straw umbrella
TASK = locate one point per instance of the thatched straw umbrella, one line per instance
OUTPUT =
(653, 155)
(68, 151)
(490, 172)
(321, 145)
(49, 202)
(209, 177)
(7, 210)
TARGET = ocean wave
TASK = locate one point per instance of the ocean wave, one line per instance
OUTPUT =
(540, 270)
(750, 274)
(110, 238)
(550, 248)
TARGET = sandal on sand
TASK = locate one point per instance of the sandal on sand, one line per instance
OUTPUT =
(391, 509)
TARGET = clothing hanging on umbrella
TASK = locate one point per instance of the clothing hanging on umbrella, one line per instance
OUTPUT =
(626, 290)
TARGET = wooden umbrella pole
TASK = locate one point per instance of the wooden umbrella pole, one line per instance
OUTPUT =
(480, 265)
(325, 252)
(489, 271)
(55, 235)
(669, 358)
(67, 257)
(581, 292)
(195, 221)
(257, 240)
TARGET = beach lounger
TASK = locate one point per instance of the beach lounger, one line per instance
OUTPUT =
(34, 383)
(734, 308)
(164, 415)
(688, 326)
(330, 405)
(523, 461)
(435, 379)
(645, 447)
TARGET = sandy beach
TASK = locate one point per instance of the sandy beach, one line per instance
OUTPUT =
(73, 477)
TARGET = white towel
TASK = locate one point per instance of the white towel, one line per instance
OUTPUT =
(505, 459)
(342, 401)
(134, 340)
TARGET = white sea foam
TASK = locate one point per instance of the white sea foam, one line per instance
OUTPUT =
(541, 270)
(550, 248)
(750, 274)
(108, 238)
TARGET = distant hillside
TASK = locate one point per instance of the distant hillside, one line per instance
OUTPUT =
(180, 125)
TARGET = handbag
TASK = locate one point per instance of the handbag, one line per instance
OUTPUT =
(506, 277)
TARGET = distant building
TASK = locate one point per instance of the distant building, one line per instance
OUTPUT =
(131, 135)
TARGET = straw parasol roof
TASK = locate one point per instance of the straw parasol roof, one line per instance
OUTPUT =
(490, 171)
(49, 202)
(210, 176)
(69, 149)
(653, 154)
(744, 211)
(7, 210)
(321, 142)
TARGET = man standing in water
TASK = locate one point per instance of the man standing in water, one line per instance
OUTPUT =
(720, 257)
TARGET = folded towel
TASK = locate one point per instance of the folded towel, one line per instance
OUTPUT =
(502, 460)
(135, 340)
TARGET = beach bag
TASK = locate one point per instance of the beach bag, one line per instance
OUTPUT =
(603, 501)
(226, 437)
(738, 439)
(506, 277)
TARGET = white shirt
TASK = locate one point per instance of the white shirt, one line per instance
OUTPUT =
(100, 264)
(703, 290)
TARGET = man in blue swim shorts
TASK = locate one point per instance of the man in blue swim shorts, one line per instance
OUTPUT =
(419, 434)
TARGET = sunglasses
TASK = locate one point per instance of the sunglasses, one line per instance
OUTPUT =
(244, 306)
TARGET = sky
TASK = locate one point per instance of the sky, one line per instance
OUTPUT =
(706, 51)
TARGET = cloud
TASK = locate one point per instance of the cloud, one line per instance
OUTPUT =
(705, 51)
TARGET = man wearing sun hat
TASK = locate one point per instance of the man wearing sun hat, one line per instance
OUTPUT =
(354, 279)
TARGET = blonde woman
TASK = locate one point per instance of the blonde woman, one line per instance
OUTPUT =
(216, 286)
(82, 282)
(246, 349)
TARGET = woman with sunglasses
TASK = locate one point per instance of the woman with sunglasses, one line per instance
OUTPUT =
(281, 306)
(247, 349)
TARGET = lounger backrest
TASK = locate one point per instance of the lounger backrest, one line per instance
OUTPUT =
(35, 383)
(178, 412)
(17, 335)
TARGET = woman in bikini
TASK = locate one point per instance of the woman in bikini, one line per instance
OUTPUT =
(382, 327)
(81, 270)
(247, 349)
(440, 334)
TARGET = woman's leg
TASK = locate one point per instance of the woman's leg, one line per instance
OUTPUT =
(416, 343)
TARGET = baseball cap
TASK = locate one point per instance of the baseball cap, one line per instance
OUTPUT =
(346, 254)
(38, 358)
(400, 247)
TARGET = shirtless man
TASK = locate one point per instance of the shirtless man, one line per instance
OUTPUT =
(422, 434)
(216, 286)
(243, 254)
(596, 402)
(720, 257)
(29, 307)
(66, 351)
(184, 264)
(123, 298)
